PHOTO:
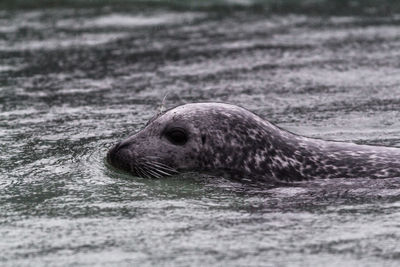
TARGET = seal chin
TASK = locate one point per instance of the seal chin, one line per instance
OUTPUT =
(118, 156)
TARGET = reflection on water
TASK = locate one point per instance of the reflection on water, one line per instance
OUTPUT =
(73, 81)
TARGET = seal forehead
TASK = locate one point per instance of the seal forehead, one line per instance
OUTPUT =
(206, 111)
(209, 107)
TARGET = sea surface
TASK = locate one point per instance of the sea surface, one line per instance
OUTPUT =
(79, 76)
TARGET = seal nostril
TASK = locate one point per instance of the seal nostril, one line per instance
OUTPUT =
(118, 146)
(121, 145)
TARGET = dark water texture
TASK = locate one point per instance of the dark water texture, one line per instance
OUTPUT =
(74, 81)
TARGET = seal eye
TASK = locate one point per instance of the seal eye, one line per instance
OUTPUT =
(177, 136)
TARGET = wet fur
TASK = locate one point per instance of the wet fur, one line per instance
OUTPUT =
(231, 141)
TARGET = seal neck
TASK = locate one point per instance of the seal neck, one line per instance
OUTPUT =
(261, 151)
(306, 158)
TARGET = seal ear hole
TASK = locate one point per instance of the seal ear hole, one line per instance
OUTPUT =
(203, 139)
(177, 136)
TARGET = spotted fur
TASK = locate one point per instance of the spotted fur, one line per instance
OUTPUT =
(231, 141)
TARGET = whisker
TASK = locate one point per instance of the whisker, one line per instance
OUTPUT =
(138, 173)
(142, 173)
(158, 171)
(164, 167)
(147, 172)
(162, 172)
(150, 174)
(161, 167)
(155, 174)
(134, 169)
(159, 164)
(149, 167)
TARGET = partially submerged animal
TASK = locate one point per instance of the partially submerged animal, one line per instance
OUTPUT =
(228, 140)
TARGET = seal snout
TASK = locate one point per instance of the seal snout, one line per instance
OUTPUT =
(118, 157)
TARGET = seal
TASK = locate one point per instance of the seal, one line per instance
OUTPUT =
(227, 140)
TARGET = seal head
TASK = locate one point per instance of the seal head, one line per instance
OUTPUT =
(193, 137)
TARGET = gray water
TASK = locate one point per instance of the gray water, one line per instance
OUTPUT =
(75, 81)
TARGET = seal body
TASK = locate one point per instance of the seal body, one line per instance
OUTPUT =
(228, 140)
